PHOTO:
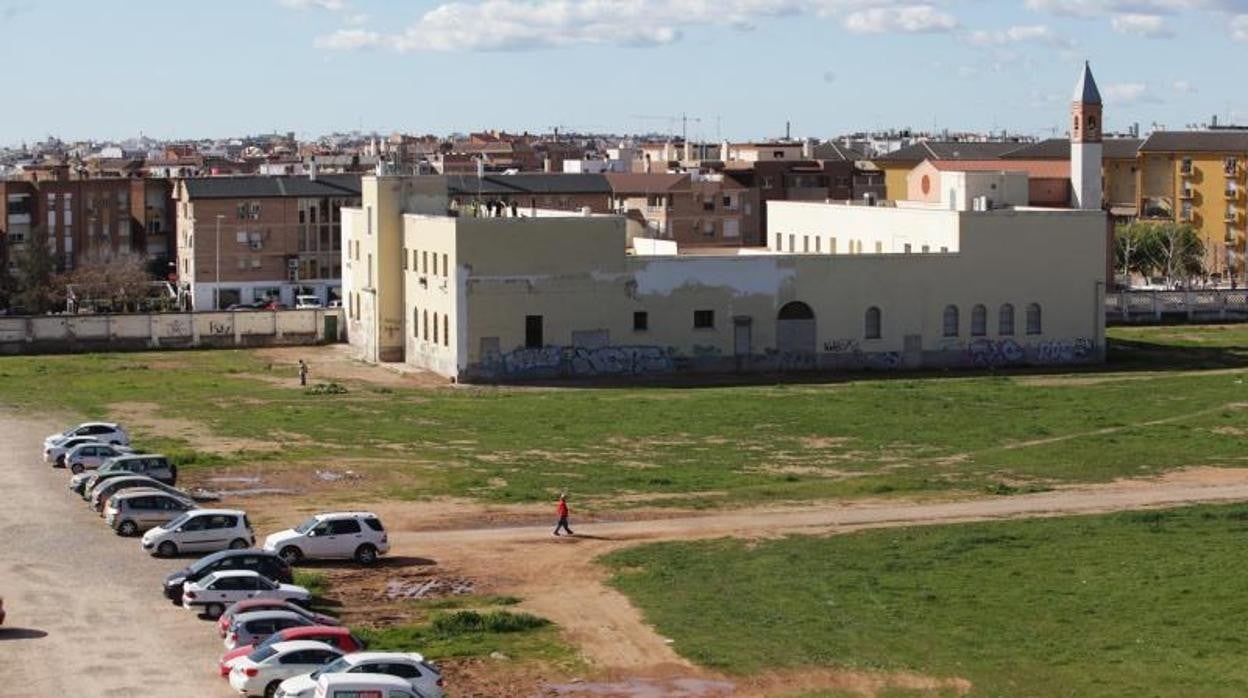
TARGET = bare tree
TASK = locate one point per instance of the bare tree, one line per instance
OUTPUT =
(113, 280)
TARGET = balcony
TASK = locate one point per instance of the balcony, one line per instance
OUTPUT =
(1187, 168)
(1232, 216)
(1231, 194)
(1186, 193)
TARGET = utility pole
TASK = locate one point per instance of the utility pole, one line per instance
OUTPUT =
(216, 287)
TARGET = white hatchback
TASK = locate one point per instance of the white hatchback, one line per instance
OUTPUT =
(91, 455)
(222, 588)
(424, 678)
(357, 685)
(201, 531)
(262, 671)
(339, 535)
(104, 432)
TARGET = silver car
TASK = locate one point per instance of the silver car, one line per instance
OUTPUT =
(131, 512)
(91, 455)
(100, 494)
(256, 627)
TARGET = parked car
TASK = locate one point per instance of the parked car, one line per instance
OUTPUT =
(152, 465)
(360, 685)
(91, 455)
(423, 678)
(214, 592)
(104, 490)
(262, 671)
(335, 303)
(338, 535)
(104, 432)
(252, 628)
(55, 454)
(334, 636)
(131, 512)
(201, 530)
(250, 605)
(267, 564)
(307, 302)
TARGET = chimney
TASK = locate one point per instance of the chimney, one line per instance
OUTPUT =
(688, 154)
(788, 130)
(808, 149)
(1213, 121)
(312, 169)
(723, 151)
(547, 165)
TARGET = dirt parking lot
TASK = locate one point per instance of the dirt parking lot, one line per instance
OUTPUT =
(85, 613)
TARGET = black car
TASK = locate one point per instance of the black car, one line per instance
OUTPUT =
(270, 565)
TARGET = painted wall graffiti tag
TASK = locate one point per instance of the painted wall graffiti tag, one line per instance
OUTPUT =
(219, 328)
(841, 346)
(579, 361)
(1064, 351)
(987, 353)
(887, 360)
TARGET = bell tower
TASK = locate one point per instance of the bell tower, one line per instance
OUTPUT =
(1085, 143)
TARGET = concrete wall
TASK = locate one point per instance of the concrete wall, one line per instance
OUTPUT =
(82, 333)
(816, 228)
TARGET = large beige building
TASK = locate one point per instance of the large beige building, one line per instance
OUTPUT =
(553, 294)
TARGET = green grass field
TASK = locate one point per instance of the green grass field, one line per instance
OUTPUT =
(858, 435)
(1132, 604)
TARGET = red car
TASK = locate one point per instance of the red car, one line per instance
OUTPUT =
(333, 636)
(250, 605)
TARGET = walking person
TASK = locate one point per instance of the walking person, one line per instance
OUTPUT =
(303, 373)
(562, 510)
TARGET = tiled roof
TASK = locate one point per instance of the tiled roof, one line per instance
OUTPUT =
(949, 150)
(644, 182)
(836, 151)
(1196, 142)
(1059, 149)
(272, 187)
(528, 184)
(1040, 169)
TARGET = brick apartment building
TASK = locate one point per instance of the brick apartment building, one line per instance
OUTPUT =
(690, 208)
(242, 240)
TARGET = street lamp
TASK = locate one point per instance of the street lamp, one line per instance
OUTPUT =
(216, 287)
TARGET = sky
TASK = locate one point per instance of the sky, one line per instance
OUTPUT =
(739, 69)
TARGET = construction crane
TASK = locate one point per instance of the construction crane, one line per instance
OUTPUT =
(683, 118)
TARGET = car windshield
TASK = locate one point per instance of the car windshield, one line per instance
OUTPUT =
(271, 640)
(338, 666)
(307, 525)
(262, 653)
(178, 522)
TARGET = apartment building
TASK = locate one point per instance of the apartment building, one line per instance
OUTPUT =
(693, 209)
(243, 240)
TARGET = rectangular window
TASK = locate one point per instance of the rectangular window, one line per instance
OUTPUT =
(435, 328)
(805, 243)
(446, 330)
(404, 259)
(906, 248)
(424, 262)
(879, 247)
(533, 332)
(435, 263)
(641, 321)
(792, 242)
(370, 271)
(425, 334)
(703, 319)
(779, 242)
(446, 270)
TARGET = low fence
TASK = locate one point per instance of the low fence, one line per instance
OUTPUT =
(56, 334)
(1160, 307)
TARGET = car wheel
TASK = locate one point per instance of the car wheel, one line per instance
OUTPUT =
(128, 528)
(238, 544)
(214, 610)
(76, 468)
(291, 554)
(167, 549)
(271, 689)
(366, 554)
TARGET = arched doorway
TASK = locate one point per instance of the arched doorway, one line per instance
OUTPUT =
(795, 329)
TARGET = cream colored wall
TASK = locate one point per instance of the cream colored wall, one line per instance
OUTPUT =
(431, 298)
(924, 171)
(837, 226)
(1120, 183)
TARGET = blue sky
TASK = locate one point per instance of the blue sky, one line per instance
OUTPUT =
(183, 68)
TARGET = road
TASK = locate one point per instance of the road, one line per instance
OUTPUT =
(85, 614)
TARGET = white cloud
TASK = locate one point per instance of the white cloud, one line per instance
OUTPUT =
(1239, 27)
(1100, 8)
(1037, 33)
(511, 25)
(331, 5)
(1183, 87)
(1129, 93)
(908, 19)
(1151, 26)
(356, 20)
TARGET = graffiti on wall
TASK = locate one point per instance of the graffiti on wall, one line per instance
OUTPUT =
(219, 328)
(579, 361)
(989, 353)
(1064, 351)
(841, 346)
(887, 360)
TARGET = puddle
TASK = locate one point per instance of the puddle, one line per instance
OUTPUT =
(646, 688)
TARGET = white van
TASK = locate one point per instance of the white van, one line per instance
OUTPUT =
(363, 686)
(306, 302)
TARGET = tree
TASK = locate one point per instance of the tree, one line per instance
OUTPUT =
(110, 280)
(1169, 250)
(37, 288)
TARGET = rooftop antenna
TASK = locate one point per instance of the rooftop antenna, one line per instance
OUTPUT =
(788, 130)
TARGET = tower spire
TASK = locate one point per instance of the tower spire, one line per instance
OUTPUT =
(1085, 143)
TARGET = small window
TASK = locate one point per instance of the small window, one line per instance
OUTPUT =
(979, 321)
(792, 242)
(703, 319)
(779, 241)
(435, 328)
(1005, 320)
(344, 527)
(424, 262)
(533, 332)
(435, 263)
(416, 323)
(641, 321)
(446, 330)
(950, 321)
(374, 523)
(872, 322)
(1033, 319)
(446, 269)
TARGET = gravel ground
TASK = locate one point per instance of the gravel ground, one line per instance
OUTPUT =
(85, 612)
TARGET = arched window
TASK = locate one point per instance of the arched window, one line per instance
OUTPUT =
(872, 322)
(951, 321)
(979, 321)
(1005, 320)
(1033, 319)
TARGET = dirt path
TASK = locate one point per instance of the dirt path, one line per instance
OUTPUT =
(557, 577)
(85, 613)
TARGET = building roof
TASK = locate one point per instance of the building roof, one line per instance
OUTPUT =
(272, 187)
(836, 151)
(1196, 142)
(1059, 149)
(644, 182)
(1085, 89)
(554, 183)
(1038, 169)
(949, 150)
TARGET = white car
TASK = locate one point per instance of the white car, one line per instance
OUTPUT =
(55, 453)
(104, 432)
(307, 302)
(262, 671)
(200, 531)
(359, 685)
(91, 455)
(338, 535)
(422, 677)
(222, 588)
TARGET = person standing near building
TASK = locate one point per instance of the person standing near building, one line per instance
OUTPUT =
(303, 373)
(562, 510)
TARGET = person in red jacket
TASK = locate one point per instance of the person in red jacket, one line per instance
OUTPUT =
(562, 510)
